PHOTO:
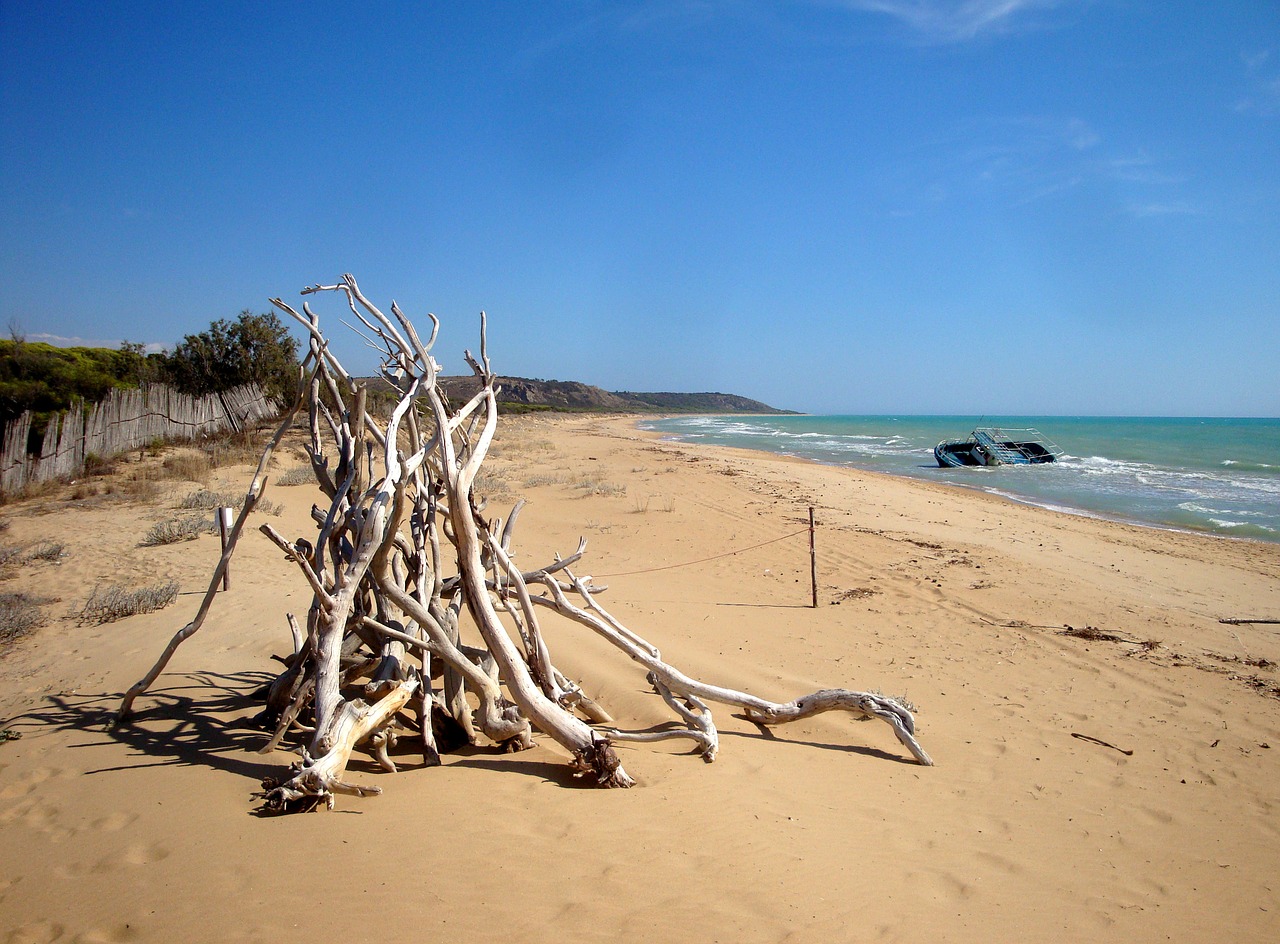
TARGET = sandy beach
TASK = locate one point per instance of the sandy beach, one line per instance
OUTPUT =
(1119, 783)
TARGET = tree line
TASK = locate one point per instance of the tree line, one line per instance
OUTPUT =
(252, 348)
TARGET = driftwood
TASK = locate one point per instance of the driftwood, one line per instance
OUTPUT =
(402, 550)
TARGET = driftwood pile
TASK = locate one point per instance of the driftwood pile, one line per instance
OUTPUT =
(403, 549)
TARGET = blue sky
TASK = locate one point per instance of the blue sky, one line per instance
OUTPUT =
(866, 206)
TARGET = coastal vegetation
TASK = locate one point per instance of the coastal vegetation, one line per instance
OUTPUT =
(252, 349)
(47, 380)
(108, 604)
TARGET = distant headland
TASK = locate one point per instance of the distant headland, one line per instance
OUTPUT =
(523, 395)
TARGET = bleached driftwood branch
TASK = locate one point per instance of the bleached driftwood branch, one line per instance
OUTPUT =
(401, 551)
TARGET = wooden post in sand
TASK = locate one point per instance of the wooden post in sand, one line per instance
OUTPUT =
(224, 527)
(813, 560)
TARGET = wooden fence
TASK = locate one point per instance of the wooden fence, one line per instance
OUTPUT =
(126, 419)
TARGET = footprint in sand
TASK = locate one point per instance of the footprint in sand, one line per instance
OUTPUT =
(943, 885)
(1160, 817)
(113, 822)
(136, 854)
(29, 781)
(999, 862)
(72, 870)
(116, 935)
(37, 815)
(37, 932)
(145, 854)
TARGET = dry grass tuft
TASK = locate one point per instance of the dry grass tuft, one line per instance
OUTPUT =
(10, 557)
(205, 500)
(492, 486)
(189, 466)
(235, 449)
(51, 551)
(141, 489)
(29, 491)
(113, 603)
(594, 486)
(298, 475)
(640, 506)
(96, 465)
(175, 530)
(545, 478)
(19, 614)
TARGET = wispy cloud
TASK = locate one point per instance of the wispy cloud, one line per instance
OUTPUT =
(1078, 135)
(1139, 169)
(1263, 99)
(955, 21)
(1019, 161)
(1263, 94)
(1037, 156)
(1176, 208)
(1255, 59)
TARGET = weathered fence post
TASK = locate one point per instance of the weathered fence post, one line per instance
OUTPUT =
(813, 560)
(224, 528)
(124, 420)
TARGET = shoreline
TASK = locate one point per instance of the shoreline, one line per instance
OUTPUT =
(1116, 784)
(1057, 504)
(960, 488)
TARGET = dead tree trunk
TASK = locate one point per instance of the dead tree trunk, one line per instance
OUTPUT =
(403, 548)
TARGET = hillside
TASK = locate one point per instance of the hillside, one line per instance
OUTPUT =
(570, 396)
(45, 379)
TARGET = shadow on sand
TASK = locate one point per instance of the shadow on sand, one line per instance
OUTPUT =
(196, 719)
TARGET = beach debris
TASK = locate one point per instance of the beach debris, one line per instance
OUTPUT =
(855, 593)
(1092, 633)
(402, 550)
(1094, 740)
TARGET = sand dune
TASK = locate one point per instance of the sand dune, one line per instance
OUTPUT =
(1121, 789)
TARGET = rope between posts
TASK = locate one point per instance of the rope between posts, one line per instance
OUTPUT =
(703, 560)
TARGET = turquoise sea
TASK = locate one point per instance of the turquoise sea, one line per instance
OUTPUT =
(1213, 475)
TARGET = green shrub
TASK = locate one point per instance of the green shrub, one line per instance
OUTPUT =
(252, 349)
(45, 379)
(96, 466)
